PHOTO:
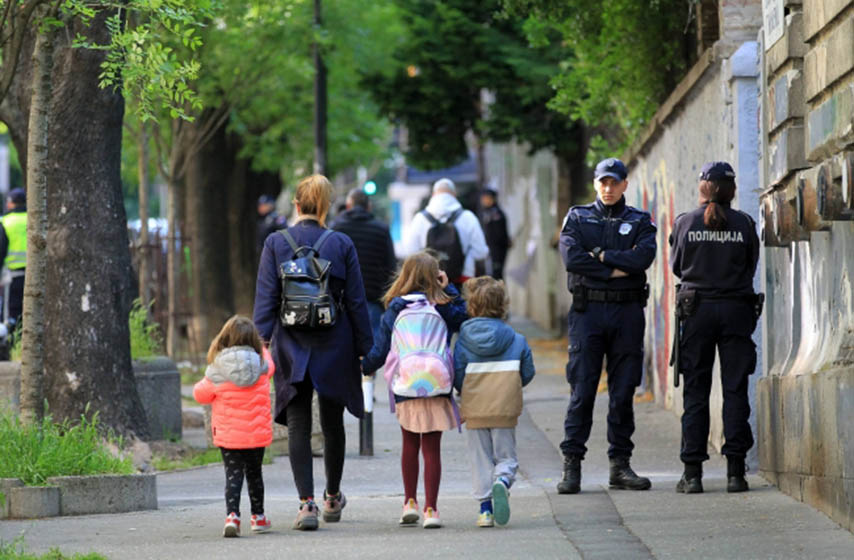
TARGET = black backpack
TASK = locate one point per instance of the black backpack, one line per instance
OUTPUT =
(307, 302)
(443, 238)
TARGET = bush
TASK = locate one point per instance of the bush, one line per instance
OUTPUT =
(35, 453)
(145, 339)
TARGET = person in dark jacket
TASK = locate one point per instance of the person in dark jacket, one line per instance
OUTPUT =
(606, 247)
(326, 361)
(494, 224)
(374, 247)
(714, 251)
(269, 221)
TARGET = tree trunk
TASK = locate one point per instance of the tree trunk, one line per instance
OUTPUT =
(206, 198)
(90, 278)
(144, 249)
(32, 344)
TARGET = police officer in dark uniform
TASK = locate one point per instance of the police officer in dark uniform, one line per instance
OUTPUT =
(606, 247)
(714, 250)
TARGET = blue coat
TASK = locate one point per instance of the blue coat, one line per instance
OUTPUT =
(454, 313)
(330, 358)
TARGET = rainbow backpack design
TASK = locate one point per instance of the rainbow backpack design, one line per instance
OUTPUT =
(419, 363)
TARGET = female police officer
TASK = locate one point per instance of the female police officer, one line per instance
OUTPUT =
(714, 250)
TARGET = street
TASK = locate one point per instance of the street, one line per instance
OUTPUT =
(597, 523)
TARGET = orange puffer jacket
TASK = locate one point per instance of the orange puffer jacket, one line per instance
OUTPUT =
(237, 386)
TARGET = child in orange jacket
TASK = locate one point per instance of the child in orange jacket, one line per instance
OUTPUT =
(237, 386)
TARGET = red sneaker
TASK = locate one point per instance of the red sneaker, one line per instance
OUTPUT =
(260, 523)
(232, 526)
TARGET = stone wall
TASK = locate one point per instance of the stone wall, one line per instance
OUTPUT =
(534, 273)
(805, 401)
(712, 115)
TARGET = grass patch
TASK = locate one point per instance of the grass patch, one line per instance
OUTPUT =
(15, 551)
(191, 375)
(198, 458)
(145, 339)
(35, 453)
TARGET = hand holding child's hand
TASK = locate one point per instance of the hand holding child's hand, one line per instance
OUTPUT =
(443, 279)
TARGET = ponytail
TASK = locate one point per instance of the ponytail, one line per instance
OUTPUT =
(716, 194)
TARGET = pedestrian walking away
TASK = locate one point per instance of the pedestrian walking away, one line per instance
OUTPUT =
(491, 365)
(423, 309)
(606, 247)
(374, 248)
(237, 386)
(269, 221)
(494, 224)
(714, 251)
(450, 230)
(310, 306)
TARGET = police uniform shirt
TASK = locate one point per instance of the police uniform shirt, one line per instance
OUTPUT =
(625, 234)
(715, 262)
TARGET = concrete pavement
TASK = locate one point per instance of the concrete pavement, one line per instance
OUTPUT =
(597, 523)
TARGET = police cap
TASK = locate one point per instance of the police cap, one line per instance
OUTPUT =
(611, 167)
(716, 170)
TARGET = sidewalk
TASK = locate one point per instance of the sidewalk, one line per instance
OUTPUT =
(597, 523)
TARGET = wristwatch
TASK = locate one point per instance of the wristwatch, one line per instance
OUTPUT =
(596, 252)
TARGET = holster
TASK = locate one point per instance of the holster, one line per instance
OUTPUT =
(579, 297)
(686, 305)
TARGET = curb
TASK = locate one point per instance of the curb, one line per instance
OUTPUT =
(79, 495)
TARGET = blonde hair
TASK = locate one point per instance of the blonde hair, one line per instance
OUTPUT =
(486, 297)
(418, 273)
(314, 196)
(237, 331)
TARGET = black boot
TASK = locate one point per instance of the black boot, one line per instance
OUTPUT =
(571, 482)
(735, 474)
(692, 479)
(624, 478)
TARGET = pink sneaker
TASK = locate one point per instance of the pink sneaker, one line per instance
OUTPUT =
(410, 513)
(307, 517)
(260, 523)
(431, 519)
(232, 526)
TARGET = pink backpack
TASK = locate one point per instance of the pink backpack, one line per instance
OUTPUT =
(419, 363)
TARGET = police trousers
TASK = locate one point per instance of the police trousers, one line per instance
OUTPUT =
(725, 325)
(604, 330)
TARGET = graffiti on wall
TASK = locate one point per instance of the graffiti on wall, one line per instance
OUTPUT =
(656, 193)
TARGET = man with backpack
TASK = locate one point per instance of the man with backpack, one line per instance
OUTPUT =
(453, 232)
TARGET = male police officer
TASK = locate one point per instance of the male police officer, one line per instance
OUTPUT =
(606, 247)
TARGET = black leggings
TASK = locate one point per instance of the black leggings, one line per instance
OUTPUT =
(299, 440)
(240, 462)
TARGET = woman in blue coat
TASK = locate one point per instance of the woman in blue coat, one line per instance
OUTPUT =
(326, 361)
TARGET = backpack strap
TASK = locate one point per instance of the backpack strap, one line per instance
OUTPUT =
(320, 240)
(430, 217)
(454, 215)
(290, 239)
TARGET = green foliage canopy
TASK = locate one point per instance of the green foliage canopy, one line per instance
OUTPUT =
(625, 57)
(451, 53)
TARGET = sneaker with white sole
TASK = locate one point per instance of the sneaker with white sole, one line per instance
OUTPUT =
(501, 501)
(260, 523)
(485, 519)
(431, 519)
(410, 513)
(232, 526)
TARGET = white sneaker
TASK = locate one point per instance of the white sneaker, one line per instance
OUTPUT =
(410, 513)
(431, 519)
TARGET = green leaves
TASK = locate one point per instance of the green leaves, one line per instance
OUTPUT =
(623, 58)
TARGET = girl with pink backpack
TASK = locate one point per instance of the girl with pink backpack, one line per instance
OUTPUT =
(422, 310)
